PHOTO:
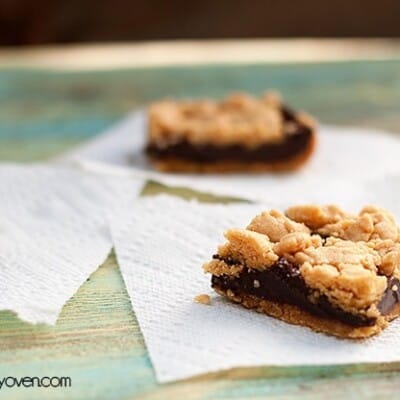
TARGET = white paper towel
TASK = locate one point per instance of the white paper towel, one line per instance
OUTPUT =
(54, 232)
(345, 157)
(161, 244)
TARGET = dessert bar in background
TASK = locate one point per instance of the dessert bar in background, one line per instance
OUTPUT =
(238, 134)
(319, 267)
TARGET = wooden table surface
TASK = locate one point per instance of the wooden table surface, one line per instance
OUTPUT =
(46, 109)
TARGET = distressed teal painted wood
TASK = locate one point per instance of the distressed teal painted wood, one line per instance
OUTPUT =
(42, 113)
(97, 340)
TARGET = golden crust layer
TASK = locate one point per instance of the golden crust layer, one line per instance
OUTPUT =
(296, 316)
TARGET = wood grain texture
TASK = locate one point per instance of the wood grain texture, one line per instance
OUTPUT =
(97, 340)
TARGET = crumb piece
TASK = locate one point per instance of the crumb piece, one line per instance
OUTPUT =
(203, 299)
(249, 248)
(316, 216)
(219, 267)
(275, 225)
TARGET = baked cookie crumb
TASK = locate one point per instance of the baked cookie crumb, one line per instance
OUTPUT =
(203, 299)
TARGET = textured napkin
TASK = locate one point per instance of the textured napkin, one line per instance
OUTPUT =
(54, 232)
(345, 158)
(161, 244)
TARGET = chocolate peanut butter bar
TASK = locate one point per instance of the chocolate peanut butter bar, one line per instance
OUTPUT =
(314, 266)
(239, 134)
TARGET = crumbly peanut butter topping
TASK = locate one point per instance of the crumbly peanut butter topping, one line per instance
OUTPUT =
(343, 256)
(239, 119)
(249, 248)
(275, 225)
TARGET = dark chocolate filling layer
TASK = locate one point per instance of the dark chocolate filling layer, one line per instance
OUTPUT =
(292, 145)
(282, 283)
